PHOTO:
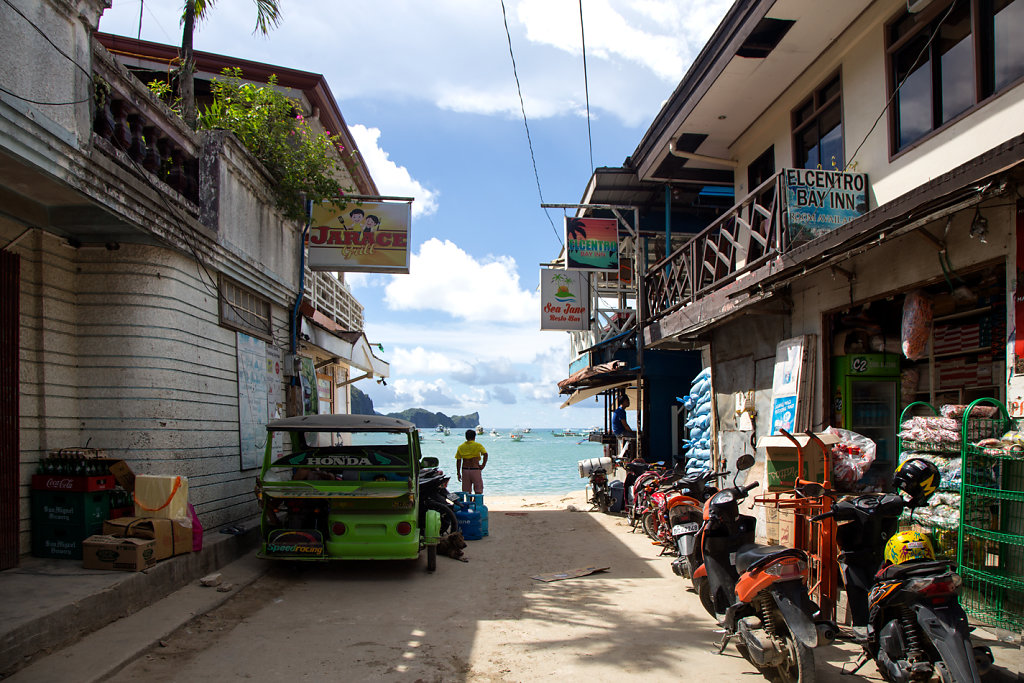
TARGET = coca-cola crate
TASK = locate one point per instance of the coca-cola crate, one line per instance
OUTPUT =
(63, 482)
(117, 513)
(77, 510)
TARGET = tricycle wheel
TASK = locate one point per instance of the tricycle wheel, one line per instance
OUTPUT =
(431, 558)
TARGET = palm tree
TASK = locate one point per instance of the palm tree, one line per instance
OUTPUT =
(575, 229)
(268, 15)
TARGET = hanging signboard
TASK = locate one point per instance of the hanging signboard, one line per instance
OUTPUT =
(791, 384)
(364, 237)
(819, 201)
(564, 300)
(592, 244)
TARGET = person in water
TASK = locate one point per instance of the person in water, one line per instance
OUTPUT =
(468, 465)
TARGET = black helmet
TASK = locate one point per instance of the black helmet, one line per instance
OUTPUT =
(918, 478)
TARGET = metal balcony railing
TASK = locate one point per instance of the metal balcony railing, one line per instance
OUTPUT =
(738, 241)
(332, 297)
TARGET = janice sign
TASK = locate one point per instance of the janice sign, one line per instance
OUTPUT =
(592, 244)
(565, 303)
(364, 237)
(820, 201)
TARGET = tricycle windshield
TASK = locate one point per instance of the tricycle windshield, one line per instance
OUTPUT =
(348, 456)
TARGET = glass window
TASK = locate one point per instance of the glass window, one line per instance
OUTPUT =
(934, 61)
(1007, 21)
(818, 129)
(244, 310)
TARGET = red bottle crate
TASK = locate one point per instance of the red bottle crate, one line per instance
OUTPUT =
(63, 482)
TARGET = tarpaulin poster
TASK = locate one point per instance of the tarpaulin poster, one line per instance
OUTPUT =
(592, 244)
(252, 399)
(364, 236)
(564, 300)
(791, 384)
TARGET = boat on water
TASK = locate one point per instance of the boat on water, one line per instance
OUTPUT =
(480, 430)
(495, 433)
(443, 430)
(516, 435)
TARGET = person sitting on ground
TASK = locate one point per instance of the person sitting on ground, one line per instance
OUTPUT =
(467, 461)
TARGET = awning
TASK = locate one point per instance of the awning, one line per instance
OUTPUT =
(351, 348)
(587, 392)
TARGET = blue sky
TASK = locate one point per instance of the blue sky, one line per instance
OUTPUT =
(429, 94)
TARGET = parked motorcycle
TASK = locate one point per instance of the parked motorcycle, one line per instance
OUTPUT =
(600, 491)
(641, 478)
(663, 495)
(434, 495)
(685, 519)
(757, 592)
(897, 590)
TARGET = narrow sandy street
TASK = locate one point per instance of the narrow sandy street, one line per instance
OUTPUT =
(484, 620)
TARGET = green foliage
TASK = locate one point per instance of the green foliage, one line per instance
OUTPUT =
(164, 91)
(305, 164)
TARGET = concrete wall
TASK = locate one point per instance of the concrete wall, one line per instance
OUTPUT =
(123, 350)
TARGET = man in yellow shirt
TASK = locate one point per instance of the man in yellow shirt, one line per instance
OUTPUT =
(467, 461)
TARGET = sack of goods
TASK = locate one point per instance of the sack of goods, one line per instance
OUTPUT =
(590, 464)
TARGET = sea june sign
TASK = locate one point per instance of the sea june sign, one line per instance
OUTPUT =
(592, 244)
(819, 201)
(564, 300)
(363, 237)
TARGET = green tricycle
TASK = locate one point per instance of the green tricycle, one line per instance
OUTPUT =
(347, 488)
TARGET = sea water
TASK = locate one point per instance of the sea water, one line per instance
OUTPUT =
(540, 463)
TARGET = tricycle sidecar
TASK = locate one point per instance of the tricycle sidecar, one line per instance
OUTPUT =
(344, 488)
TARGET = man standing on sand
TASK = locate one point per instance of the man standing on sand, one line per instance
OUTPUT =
(467, 461)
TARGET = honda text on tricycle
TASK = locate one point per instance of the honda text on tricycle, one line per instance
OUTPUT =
(344, 487)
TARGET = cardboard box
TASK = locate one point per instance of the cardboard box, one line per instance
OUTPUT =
(781, 460)
(159, 495)
(172, 536)
(123, 474)
(125, 554)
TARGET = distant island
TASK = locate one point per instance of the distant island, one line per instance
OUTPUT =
(363, 405)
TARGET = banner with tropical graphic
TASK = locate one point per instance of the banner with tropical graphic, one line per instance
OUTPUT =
(564, 300)
(592, 244)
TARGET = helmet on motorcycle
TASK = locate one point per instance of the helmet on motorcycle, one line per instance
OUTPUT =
(908, 545)
(918, 478)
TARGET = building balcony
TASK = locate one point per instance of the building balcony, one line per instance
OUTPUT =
(739, 241)
(332, 297)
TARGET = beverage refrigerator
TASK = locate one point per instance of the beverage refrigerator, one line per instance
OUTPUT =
(866, 388)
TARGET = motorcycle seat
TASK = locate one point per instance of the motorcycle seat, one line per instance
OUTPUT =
(916, 568)
(750, 557)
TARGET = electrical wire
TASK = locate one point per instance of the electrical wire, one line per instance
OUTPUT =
(526, 125)
(47, 38)
(52, 104)
(896, 90)
(586, 88)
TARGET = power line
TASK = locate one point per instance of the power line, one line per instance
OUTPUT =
(586, 88)
(526, 125)
(31, 101)
(896, 90)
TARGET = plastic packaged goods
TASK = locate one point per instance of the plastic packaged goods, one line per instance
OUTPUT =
(957, 411)
(917, 324)
(852, 456)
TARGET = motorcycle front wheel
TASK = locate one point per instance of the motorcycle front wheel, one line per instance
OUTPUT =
(799, 664)
(650, 524)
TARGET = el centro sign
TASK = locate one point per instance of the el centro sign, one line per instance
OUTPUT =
(819, 201)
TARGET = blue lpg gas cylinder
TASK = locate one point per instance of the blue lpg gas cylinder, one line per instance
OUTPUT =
(469, 518)
(477, 499)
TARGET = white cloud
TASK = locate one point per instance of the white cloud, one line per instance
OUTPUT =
(444, 277)
(637, 50)
(419, 361)
(392, 179)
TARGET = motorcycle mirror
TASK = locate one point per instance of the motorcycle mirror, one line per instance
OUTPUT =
(429, 461)
(745, 462)
(811, 490)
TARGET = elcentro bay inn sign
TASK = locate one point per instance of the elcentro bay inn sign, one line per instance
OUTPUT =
(819, 201)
